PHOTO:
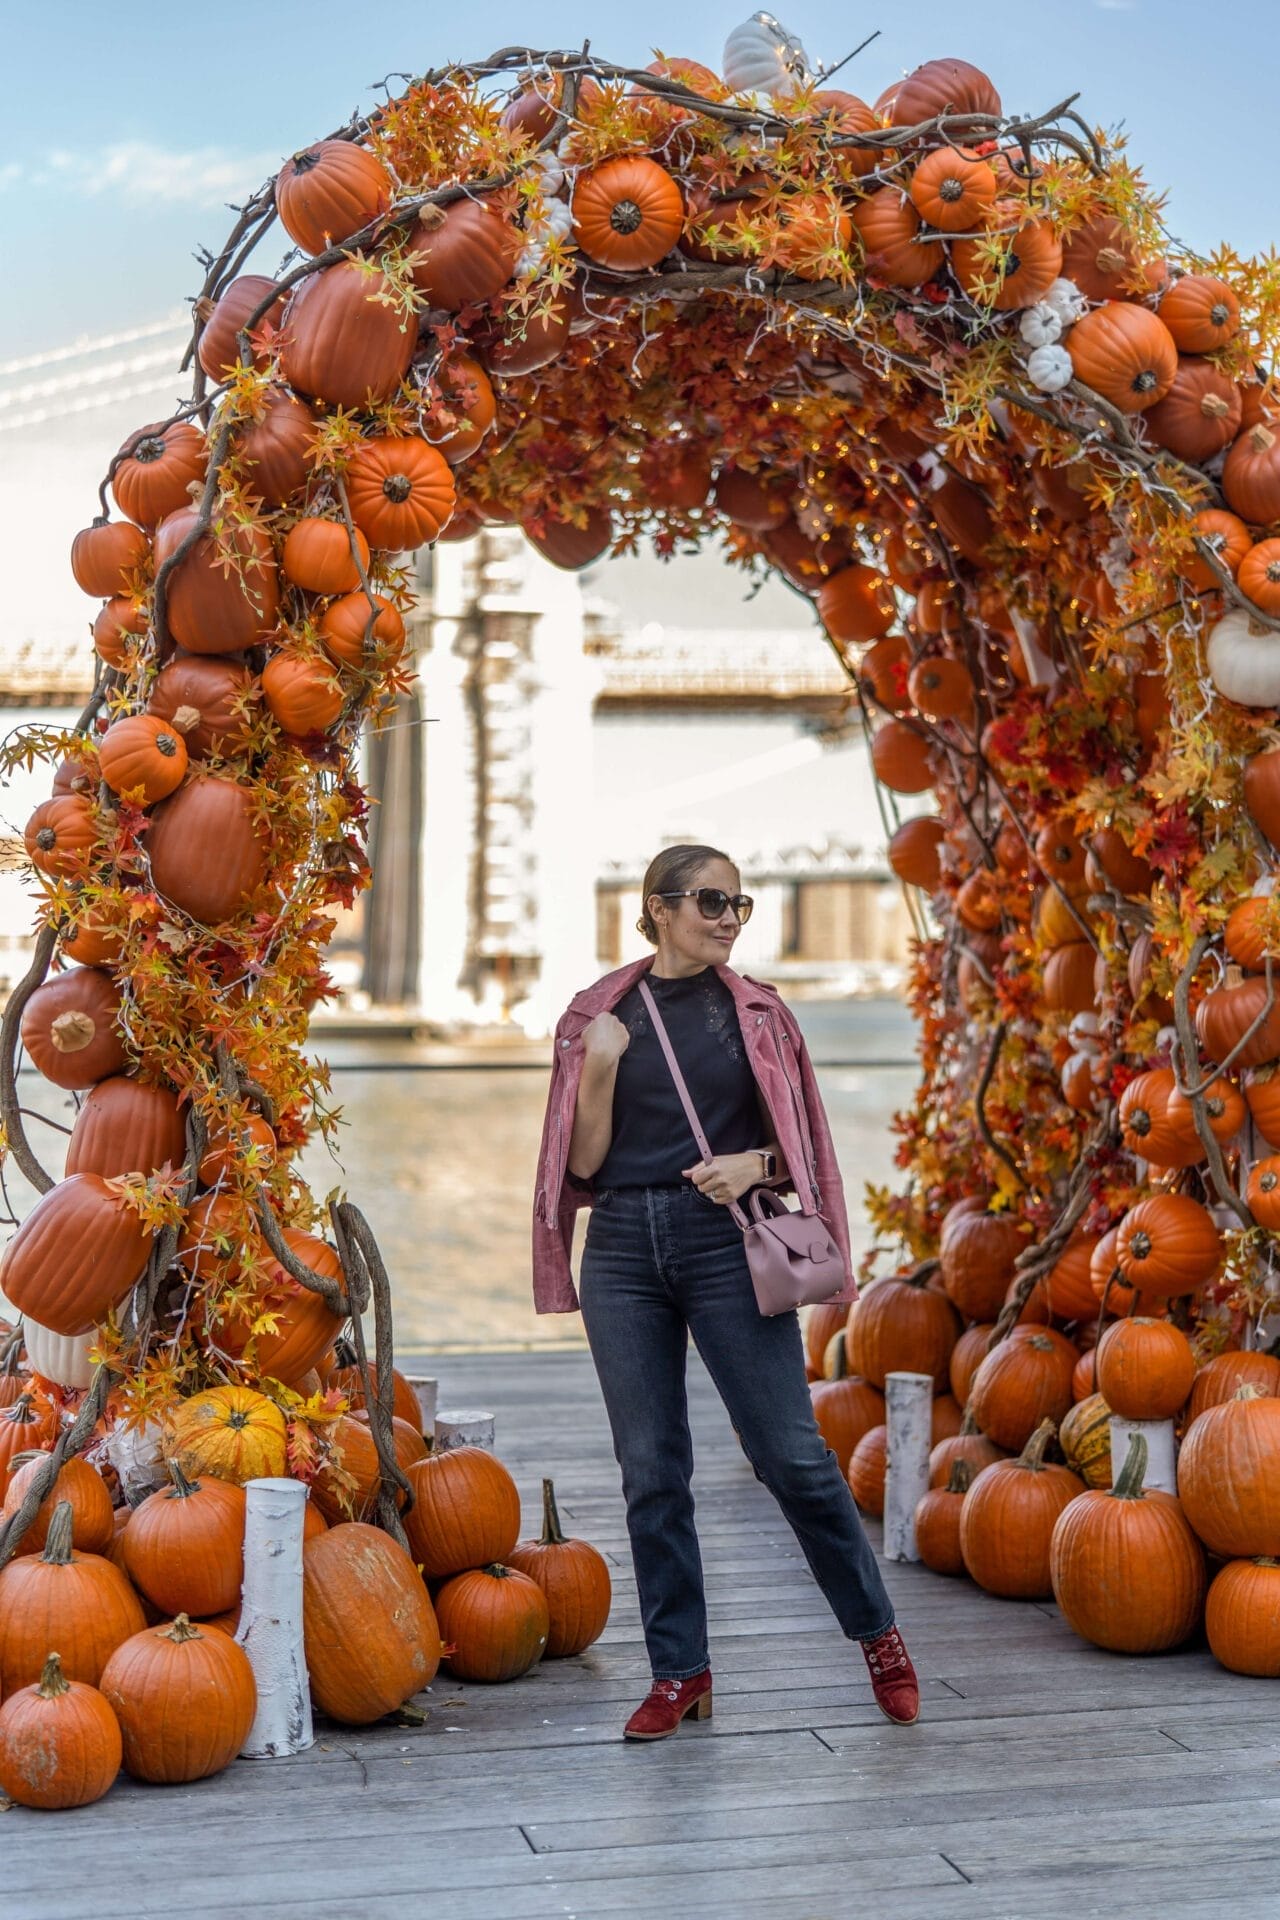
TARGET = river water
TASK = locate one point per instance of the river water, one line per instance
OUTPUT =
(442, 1162)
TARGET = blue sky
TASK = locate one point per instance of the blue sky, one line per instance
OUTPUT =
(127, 129)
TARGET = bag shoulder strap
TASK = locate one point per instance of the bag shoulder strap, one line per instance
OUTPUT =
(664, 1040)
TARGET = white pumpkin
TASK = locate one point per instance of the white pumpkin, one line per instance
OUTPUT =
(1049, 369)
(1083, 1032)
(553, 222)
(1040, 325)
(1244, 660)
(62, 1358)
(760, 56)
(1067, 301)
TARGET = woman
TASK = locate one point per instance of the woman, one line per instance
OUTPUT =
(664, 1259)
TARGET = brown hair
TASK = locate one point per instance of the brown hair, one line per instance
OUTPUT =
(671, 871)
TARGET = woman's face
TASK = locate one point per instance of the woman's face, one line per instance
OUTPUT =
(684, 934)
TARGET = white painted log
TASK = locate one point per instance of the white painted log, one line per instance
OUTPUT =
(908, 1416)
(270, 1629)
(427, 1393)
(459, 1427)
(1161, 1473)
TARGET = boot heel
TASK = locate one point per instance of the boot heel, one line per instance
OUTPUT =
(702, 1708)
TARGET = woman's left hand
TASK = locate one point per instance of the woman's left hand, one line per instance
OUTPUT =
(726, 1177)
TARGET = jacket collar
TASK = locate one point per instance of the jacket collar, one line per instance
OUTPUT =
(609, 989)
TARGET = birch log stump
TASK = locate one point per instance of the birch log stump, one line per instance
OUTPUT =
(427, 1394)
(1162, 1472)
(270, 1629)
(464, 1427)
(909, 1412)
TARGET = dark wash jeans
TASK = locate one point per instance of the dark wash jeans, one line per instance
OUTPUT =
(661, 1263)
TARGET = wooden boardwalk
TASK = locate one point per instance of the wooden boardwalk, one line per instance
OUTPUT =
(1045, 1780)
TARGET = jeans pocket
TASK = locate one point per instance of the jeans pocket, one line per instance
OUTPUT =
(603, 1197)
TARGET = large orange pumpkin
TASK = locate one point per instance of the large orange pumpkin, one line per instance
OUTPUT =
(1008, 1517)
(1125, 353)
(627, 213)
(900, 1323)
(70, 1029)
(76, 1604)
(371, 1635)
(1128, 1573)
(1229, 1475)
(77, 1255)
(1145, 1368)
(1024, 1380)
(978, 1251)
(401, 491)
(347, 338)
(461, 255)
(212, 606)
(1168, 1245)
(330, 191)
(185, 1698)
(124, 1126)
(466, 1511)
(208, 851)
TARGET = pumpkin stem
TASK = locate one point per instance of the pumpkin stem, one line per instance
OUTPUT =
(840, 1363)
(1129, 1480)
(552, 1532)
(182, 1487)
(53, 1681)
(498, 1571)
(57, 1546)
(20, 1412)
(1032, 1455)
(960, 1479)
(181, 1631)
(968, 1424)
(1248, 1392)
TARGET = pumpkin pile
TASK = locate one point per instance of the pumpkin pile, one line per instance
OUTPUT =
(940, 367)
(117, 1624)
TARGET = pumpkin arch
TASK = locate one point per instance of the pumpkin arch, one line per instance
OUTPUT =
(1022, 591)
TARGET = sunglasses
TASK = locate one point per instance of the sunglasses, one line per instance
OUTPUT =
(712, 902)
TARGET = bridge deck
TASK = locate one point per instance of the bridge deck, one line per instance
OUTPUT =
(1044, 1779)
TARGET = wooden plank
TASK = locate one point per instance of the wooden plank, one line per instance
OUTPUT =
(1038, 1783)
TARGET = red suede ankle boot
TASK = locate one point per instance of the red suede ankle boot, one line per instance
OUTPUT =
(893, 1678)
(668, 1703)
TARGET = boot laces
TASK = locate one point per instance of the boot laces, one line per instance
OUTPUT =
(886, 1654)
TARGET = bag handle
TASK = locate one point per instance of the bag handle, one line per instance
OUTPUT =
(664, 1040)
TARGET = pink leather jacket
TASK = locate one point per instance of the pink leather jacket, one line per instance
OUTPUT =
(784, 1074)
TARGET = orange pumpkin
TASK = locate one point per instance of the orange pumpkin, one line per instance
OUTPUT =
(1168, 1245)
(401, 491)
(1125, 353)
(1145, 1368)
(1027, 260)
(856, 604)
(900, 755)
(889, 228)
(330, 191)
(1008, 1517)
(627, 213)
(1025, 1380)
(1201, 312)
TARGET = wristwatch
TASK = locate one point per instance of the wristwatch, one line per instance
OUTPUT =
(770, 1161)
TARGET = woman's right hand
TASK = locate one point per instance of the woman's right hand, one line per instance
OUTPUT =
(605, 1038)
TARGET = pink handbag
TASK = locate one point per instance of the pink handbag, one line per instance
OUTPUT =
(793, 1258)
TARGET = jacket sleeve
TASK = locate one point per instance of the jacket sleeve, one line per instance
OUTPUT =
(826, 1166)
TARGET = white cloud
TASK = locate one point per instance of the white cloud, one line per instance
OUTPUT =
(140, 174)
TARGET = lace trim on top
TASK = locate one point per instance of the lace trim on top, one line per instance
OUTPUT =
(719, 1016)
